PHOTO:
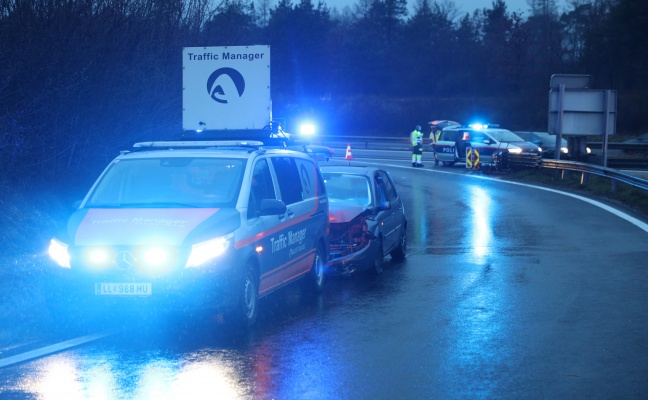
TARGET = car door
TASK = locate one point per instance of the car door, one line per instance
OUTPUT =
(388, 218)
(293, 241)
(446, 146)
(482, 143)
(260, 229)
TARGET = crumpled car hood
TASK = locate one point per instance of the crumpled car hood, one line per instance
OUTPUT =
(340, 212)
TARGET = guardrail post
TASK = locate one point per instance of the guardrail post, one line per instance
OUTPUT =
(584, 178)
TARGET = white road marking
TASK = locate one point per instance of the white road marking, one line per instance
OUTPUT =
(47, 350)
(639, 224)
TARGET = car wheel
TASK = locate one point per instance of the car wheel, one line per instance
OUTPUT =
(400, 251)
(314, 280)
(376, 265)
(246, 309)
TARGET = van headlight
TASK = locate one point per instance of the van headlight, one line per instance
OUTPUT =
(515, 150)
(208, 250)
(58, 251)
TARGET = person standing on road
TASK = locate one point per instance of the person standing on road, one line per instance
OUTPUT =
(435, 133)
(416, 140)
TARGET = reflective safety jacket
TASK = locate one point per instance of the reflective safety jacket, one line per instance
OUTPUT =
(434, 136)
(416, 137)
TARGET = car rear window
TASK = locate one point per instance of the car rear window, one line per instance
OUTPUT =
(348, 188)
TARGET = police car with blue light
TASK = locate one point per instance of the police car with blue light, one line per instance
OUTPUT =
(196, 225)
(486, 141)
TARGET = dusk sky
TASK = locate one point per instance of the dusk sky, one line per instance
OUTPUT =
(463, 5)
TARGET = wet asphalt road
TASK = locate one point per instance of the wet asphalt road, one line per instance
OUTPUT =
(507, 292)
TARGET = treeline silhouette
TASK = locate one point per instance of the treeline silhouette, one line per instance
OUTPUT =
(82, 79)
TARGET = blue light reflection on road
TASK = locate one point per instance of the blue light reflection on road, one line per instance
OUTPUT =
(111, 377)
(481, 223)
(419, 225)
(482, 339)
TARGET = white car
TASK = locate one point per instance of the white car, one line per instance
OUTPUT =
(454, 141)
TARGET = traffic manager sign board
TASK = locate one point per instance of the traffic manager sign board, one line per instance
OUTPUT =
(226, 87)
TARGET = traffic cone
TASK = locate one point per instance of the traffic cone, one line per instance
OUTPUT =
(348, 153)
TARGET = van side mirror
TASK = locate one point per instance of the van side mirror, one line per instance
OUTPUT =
(272, 207)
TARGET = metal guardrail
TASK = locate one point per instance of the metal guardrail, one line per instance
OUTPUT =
(619, 146)
(402, 143)
(371, 142)
(584, 168)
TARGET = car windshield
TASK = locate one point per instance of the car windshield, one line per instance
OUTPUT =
(503, 135)
(349, 188)
(169, 182)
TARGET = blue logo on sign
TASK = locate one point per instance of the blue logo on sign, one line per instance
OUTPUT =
(215, 85)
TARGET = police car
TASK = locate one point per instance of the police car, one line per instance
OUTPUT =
(196, 225)
(486, 140)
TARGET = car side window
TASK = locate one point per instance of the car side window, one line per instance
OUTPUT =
(450, 135)
(288, 179)
(379, 186)
(478, 137)
(261, 187)
(390, 190)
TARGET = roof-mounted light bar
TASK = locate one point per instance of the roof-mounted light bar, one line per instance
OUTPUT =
(198, 144)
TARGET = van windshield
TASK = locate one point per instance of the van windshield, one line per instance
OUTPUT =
(169, 183)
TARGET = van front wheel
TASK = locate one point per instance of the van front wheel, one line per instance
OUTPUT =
(314, 280)
(246, 309)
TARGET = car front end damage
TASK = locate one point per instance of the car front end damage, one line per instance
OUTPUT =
(353, 245)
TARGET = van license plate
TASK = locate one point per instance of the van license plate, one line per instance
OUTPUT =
(123, 289)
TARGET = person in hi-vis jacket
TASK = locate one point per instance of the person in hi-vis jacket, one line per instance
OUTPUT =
(416, 140)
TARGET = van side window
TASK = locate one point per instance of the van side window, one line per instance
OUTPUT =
(289, 180)
(311, 182)
(261, 187)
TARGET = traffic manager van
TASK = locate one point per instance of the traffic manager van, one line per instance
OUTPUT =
(206, 225)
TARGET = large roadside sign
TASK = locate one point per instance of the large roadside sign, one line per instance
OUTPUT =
(577, 111)
(582, 112)
(226, 88)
